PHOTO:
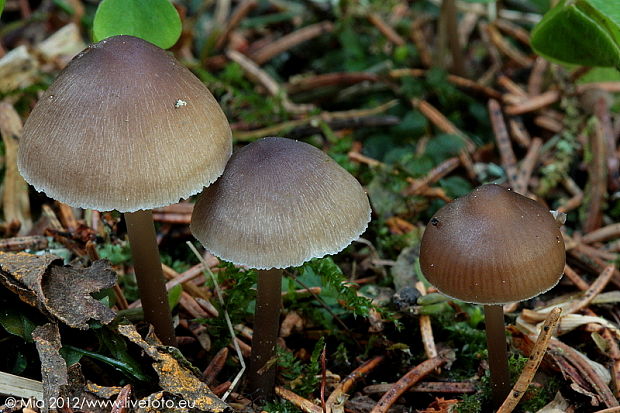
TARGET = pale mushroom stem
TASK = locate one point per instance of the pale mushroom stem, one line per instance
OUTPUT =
(262, 373)
(498, 355)
(149, 275)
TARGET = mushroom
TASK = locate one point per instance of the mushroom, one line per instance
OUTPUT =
(279, 203)
(125, 126)
(491, 247)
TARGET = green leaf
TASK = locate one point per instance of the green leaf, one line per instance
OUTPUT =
(1, 6)
(70, 355)
(16, 323)
(115, 253)
(156, 21)
(117, 346)
(600, 74)
(606, 13)
(174, 295)
(584, 32)
(20, 363)
(443, 146)
(455, 186)
(132, 370)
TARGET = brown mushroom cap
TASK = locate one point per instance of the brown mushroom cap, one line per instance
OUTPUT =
(279, 203)
(492, 246)
(124, 126)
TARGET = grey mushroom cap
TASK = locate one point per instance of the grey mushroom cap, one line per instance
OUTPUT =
(280, 203)
(124, 126)
(492, 246)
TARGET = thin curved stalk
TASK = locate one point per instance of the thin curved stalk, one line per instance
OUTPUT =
(262, 372)
(149, 275)
(498, 355)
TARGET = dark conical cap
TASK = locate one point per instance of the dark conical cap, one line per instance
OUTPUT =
(124, 126)
(492, 246)
(279, 203)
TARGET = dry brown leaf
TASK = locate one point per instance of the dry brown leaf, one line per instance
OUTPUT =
(18, 69)
(15, 202)
(53, 366)
(62, 45)
(174, 378)
(59, 291)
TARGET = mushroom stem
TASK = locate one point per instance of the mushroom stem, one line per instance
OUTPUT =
(262, 373)
(149, 274)
(498, 355)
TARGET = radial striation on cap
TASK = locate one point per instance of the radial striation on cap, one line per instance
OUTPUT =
(124, 126)
(279, 203)
(492, 246)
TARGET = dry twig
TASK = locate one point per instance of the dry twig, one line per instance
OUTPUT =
(506, 48)
(454, 79)
(574, 306)
(258, 75)
(426, 387)
(504, 146)
(304, 404)
(439, 120)
(339, 396)
(534, 83)
(289, 41)
(426, 329)
(386, 29)
(597, 179)
(534, 103)
(594, 380)
(533, 362)
(215, 366)
(242, 10)
(418, 38)
(434, 175)
(527, 166)
(519, 133)
(401, 386)
(575, 278)
(325, 117)
(602, 234)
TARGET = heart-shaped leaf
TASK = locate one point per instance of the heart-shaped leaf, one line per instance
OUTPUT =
(155, 21)
(584, 32)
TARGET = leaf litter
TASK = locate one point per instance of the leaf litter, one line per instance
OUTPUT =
(60, 291)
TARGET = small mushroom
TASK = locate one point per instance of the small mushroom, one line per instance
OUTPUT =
(491, 247)
(278, 204)
(111, 133)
